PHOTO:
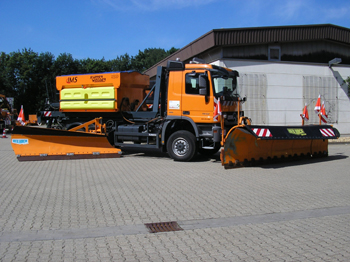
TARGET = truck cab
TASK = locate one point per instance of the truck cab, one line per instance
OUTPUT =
(193, 93)
(182, 121)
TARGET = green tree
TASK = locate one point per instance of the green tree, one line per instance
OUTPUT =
(65, 64)
(22, 78)
(4, 85)
(24, 75)
(149, 57)
(93, 66)
(45, 79)
(121, 63)
(171, 51)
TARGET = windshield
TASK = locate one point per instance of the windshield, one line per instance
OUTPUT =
(225, 85)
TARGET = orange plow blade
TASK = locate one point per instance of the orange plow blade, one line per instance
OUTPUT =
(247, 145)
(30, 144)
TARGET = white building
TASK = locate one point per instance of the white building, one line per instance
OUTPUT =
(282, 69)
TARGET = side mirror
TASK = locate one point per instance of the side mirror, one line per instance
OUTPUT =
(203, 85)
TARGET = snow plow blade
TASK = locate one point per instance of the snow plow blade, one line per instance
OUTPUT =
(247, 145)
(33, 144)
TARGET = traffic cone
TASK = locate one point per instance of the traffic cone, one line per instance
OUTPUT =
(4, 133)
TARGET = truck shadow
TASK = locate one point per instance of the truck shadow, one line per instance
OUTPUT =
(304, 161)
(144, 153)
(158, 154)
(274, 164)
(203, 158)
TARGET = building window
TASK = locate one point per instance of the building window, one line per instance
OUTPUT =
(274, 53)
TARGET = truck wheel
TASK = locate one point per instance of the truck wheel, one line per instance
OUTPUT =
(182, 146)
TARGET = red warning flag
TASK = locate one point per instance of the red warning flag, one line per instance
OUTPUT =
(217, 109)
(324, 116)
(305, 114)
(21, 117)
(318, 104)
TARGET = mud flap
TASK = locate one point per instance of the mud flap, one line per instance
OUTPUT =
(247, 145)
(32, 144)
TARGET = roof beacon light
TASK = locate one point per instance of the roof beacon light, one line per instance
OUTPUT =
(197, 60)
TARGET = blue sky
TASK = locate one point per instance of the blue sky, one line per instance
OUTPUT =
(110, 28)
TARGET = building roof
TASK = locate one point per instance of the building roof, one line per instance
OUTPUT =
(257, 35)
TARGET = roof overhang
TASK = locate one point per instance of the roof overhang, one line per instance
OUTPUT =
(256, 35)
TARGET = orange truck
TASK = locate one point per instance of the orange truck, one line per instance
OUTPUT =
(196, 109)
(182, 123)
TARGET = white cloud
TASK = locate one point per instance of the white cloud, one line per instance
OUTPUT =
(310, 11)
(292, 8)
(337, 13)
(153, 5)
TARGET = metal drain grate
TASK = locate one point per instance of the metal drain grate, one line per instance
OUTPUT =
(163, 227)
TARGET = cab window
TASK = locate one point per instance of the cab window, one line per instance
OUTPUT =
(192, 84)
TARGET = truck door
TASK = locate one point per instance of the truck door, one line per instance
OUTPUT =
(198, 107)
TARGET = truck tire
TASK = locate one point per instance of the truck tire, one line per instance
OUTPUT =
(182, 146)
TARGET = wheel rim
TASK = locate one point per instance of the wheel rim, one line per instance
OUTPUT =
(180, 146)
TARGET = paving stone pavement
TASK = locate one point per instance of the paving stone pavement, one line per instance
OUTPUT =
(95, 210)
